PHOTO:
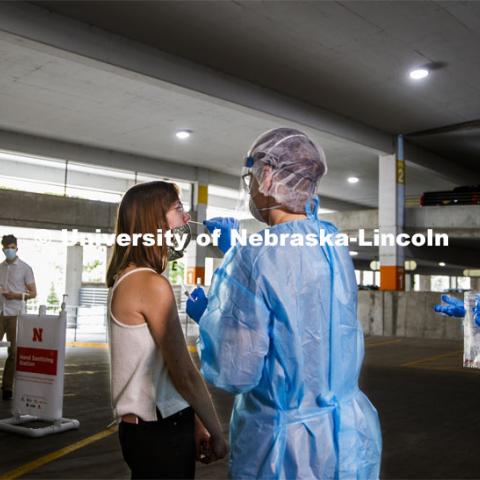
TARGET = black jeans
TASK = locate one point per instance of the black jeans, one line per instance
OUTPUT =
(161, 449)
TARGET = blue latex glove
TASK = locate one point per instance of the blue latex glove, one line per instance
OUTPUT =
(198, 305)
(225, 225)
(454, 307)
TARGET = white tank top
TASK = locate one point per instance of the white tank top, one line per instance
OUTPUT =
(139, 378)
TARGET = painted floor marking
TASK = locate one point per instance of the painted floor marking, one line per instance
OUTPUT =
(50, 457)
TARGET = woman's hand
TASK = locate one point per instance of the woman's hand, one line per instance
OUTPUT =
(208, 448)
(202, 442)
(218, 447)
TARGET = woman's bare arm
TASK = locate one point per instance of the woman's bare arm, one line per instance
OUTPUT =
(159, 308)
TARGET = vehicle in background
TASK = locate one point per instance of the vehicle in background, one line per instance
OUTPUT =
(466, 195)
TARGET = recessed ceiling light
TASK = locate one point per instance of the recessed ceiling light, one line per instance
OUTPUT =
(353, 180)
(353, 253)
(441, 264)
(419, 73)
(183, 134)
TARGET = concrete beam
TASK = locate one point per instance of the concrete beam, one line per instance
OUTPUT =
(453, 256)
(353, 220)
(460, 218)
(340, 205)
(33, 210)
(45, 211)
(449, 170)
(459, 221)
(40, 29)
(450, 270)
(56, 149)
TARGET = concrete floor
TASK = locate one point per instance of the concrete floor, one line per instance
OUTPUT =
(428, 406)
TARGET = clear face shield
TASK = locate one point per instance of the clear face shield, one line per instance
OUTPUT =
(246, 180)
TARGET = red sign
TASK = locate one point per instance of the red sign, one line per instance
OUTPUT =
(37, 360)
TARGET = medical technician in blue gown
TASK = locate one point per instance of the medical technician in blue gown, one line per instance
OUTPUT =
(279, 329)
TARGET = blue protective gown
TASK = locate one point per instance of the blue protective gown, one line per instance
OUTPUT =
(281, 332)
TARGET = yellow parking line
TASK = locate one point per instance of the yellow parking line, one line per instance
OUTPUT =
(88, 344)
(459, 369)
(380, 344)
(50, 457)
(191, 348)
(431, 359)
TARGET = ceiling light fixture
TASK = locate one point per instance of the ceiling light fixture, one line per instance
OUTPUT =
(471, 273)
(353, 180)
(410, 265)
(419, 73)
(353, 253)
(183, 134)
(375, 265)
(441, 264)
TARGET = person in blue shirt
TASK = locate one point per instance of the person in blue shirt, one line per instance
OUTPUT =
(279, 329)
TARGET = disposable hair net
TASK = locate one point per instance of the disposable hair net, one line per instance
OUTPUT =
(296, 163)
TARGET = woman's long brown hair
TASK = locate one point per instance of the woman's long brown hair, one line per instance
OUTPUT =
(142, 210)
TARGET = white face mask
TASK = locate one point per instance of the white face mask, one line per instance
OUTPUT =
(256, 212)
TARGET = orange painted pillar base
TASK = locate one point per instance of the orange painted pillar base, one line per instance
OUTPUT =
(392, 278)
(194, 274)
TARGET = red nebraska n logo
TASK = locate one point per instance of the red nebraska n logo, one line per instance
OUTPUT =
(37, 335)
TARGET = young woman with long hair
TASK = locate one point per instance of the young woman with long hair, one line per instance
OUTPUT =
(164, 409)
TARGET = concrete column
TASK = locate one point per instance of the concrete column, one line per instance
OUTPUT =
(166, 272)
(408, 282)
(425, 283)
(73, 280)
(109, 255)
(475, 284)
(196, 254)
(391, 204)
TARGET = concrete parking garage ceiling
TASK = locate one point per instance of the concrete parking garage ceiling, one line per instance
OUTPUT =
(55, 97)
(461, 141)
(50, 93)
(349, 57)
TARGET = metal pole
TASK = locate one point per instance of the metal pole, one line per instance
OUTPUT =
(65, 179)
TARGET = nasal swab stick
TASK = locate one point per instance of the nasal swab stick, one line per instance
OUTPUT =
(185, 291)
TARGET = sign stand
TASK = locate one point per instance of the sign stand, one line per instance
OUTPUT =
(14, 425)
(39, 375)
